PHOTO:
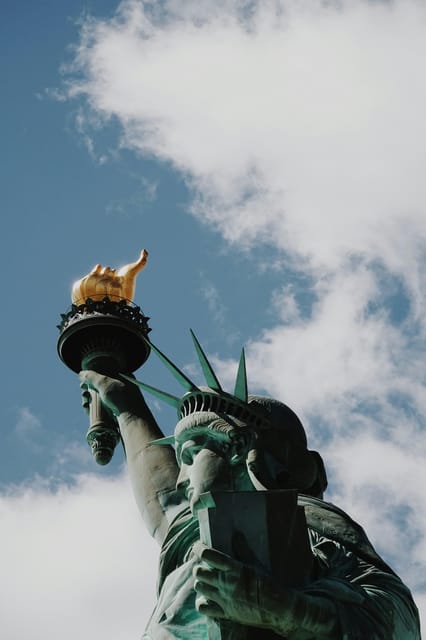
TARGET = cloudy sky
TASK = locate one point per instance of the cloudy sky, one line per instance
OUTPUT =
(271, 158)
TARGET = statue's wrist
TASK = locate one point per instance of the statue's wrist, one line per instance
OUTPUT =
(129, 411)
(286, 611)
(129, 416)
(137, 418)
(314, 614)
(279, 606)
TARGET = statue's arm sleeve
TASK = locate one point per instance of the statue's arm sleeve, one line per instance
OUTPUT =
(388, 610)
(370, 603)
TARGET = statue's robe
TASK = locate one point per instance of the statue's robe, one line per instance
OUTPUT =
(372, 603)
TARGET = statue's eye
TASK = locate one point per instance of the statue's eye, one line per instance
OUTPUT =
(189, 451)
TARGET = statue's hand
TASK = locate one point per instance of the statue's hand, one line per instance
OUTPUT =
(118, 395)
(233, 591)
(226, 588)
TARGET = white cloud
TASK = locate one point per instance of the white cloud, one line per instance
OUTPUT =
(76, 562)
(337, 351)
(380, 483)
(286, 305)
(212, 297)
(305, 129)
(146, 192)
(28, 427)
(71, 456)
(301, 124)
(85, 125)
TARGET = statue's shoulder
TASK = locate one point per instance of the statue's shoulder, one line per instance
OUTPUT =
(332, 522)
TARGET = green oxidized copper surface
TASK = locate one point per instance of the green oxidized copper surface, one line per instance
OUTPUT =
(108, 336)
(321, 579)
(249, 549)
(114, 327)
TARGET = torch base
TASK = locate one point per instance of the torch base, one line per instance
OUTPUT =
(109, 337)
(116, 329)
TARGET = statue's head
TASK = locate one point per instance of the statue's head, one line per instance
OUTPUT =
(219, 451)
(238, 441)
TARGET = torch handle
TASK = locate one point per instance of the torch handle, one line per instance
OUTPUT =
(98, 414)
(103, 434)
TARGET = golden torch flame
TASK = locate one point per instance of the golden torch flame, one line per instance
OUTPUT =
(104, 281)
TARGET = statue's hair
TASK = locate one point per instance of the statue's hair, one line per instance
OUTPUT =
(281, 418)
(286, 430)
(220, 424)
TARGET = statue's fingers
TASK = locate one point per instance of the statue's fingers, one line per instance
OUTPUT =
(207, 590)
(90, 379)
(217, 560)
(208, 608)
(199, 546)
(206, 576)
(84, 380)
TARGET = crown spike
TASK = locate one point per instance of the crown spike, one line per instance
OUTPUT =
(177, 373)
(167, 440)
(208, 372)
(240, 391)
(166, 397)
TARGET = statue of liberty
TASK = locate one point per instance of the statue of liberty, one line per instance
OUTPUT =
(331, 585)
(244, 443)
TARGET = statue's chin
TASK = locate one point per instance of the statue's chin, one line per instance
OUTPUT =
(194, 500)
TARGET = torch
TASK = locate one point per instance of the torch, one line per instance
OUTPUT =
(106, 332)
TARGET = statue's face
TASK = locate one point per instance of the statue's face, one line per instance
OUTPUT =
(208, 461)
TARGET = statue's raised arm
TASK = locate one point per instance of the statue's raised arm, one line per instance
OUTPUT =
(153, 470)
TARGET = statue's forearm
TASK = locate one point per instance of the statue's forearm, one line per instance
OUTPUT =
(230, 590)
(317, 616)
(291, 613)
(152, 468)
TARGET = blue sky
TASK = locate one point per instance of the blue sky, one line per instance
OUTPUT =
(270, 157)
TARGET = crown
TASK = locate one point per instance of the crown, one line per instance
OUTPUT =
(211, 398)
(258, 412)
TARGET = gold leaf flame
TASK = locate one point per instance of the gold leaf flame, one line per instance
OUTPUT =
(104, 281)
